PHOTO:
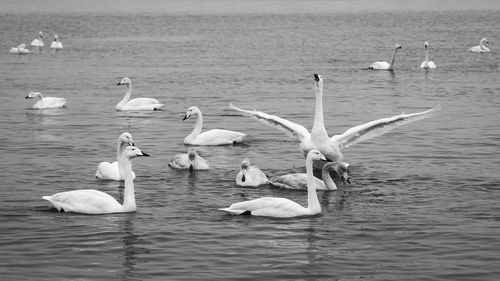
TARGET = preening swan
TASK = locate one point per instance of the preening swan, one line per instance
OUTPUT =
(19, 50)
(115, 171)
(319, 139)
(250, 175)
(46, 102)
(426, 64)
(277, 207)
(56, 44)
(299, 180)
(38, 42)
(211, 137)
(138, 103)
(481, 48)
(383, 65)
(89, 201)
(190, 160)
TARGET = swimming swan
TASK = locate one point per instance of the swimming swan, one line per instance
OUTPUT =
(211, 137)
(481, 48)
(299, 180)
(426, 64)
(318, 138)
(38, 42)
(46, 102)
(250, 175)
(277, 207)
(56, 44)
(137, 103)
(190, 160)
(89, 201)
(20, 50)
(115, 171)
(383, 65)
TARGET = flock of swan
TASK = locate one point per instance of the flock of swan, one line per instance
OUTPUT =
(317, 147)
(37, 43)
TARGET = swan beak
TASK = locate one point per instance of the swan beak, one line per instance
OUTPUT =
(144, 154)
(316, 77)
(119, 83)
(323, 158)
(345, 178)
(27, 97)
(185, 117)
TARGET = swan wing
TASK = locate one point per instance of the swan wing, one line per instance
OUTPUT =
(219, 137)
(107, 171)
(379, 65)
(53, 102)
(292, 129)
(268, 207)
(180, 161)
(86, 201)
(378, 127)
(143, 104)
(296, 181)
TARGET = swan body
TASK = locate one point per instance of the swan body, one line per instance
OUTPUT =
(426, 64)
(20, 50)
(190, 160)
(481, 48)
(46, 102)
(56, 44)
(299, 180)
(138, 103)
(383, 65)
(38, 42)
(211, 137)
(89, 201)
(278, 207)
(318, 138)
(115, 170)
(250, 175)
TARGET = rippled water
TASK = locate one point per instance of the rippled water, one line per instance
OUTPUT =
(424, 200)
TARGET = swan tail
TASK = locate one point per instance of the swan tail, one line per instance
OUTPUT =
(379, 127)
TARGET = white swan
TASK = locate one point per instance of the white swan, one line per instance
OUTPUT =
(46, 102)
(250, 175)
(211, 137)
(481, 48)
(138, 103)
(115, 171)
(281, 207)
(426, 64)
(299, 180)
(38, 42)
(89, 201)
(383, 65)
(56, 44)
(20, 50)
(190, 160)
(318, 138)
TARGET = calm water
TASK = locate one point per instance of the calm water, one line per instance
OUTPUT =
(424, 200)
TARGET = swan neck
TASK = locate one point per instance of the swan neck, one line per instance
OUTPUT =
(427, 54)
(199, 124)
(329, 182)
(393, 56)
(119, 159)
(319, 123)
(129, 194)
(312, 198)
(126, 98)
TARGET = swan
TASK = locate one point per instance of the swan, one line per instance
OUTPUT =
(190, 160)
(38, 42)
(299, 180)
(426, 64)
(20, 50)
(383, 65)
(250, 175)
(56, 44)
(481, 48)
(277, 207)
(89, 201)
(46, 102)
(211, 137)
(318, 138)
(138, 103)
(115, 170)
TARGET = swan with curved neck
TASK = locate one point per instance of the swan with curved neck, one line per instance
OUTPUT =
(90, 201)
(299, 180)
(278, 207)
(383, 65)
(115, 170)
(481, 48)
(38, 42)
(46, 102)
(211, 137)
(250, 175)
(190, 160)
(318, 138)
(56, 44)
(138, 103)
(426, 64)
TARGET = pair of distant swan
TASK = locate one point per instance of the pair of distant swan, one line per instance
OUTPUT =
(38, 42)
(19, 50)
(383, 65)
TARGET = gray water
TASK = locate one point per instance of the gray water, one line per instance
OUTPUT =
(423, 204)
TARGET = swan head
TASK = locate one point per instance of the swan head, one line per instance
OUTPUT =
(125, 81)
(315, 155)
(426, 44)
(56, 37)
(126, 138)
(132, 152)
(33, 95)
(484, 40)
(245, 163)
(191, 153)
(341, 170)
(397, 46)
(318, 78)
(193, 110)
(40, 34)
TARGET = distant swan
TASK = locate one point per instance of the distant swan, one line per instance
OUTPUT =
(38, 42)
(481, 48)
(138, 103)
(56, 44)
(190, 160)
(211, 137)
(426, 64)
(20, 50)
(319, 139)
(250, 175)
(277, 207)
(299, 180)
(46, 102)
(89, 201)
(383, 65)
(115, 171)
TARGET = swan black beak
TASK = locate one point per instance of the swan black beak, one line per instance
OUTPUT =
(185, 117)
(345, 178)
(27, 97)
(144, 154)
(316, 77)
(119, 84)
